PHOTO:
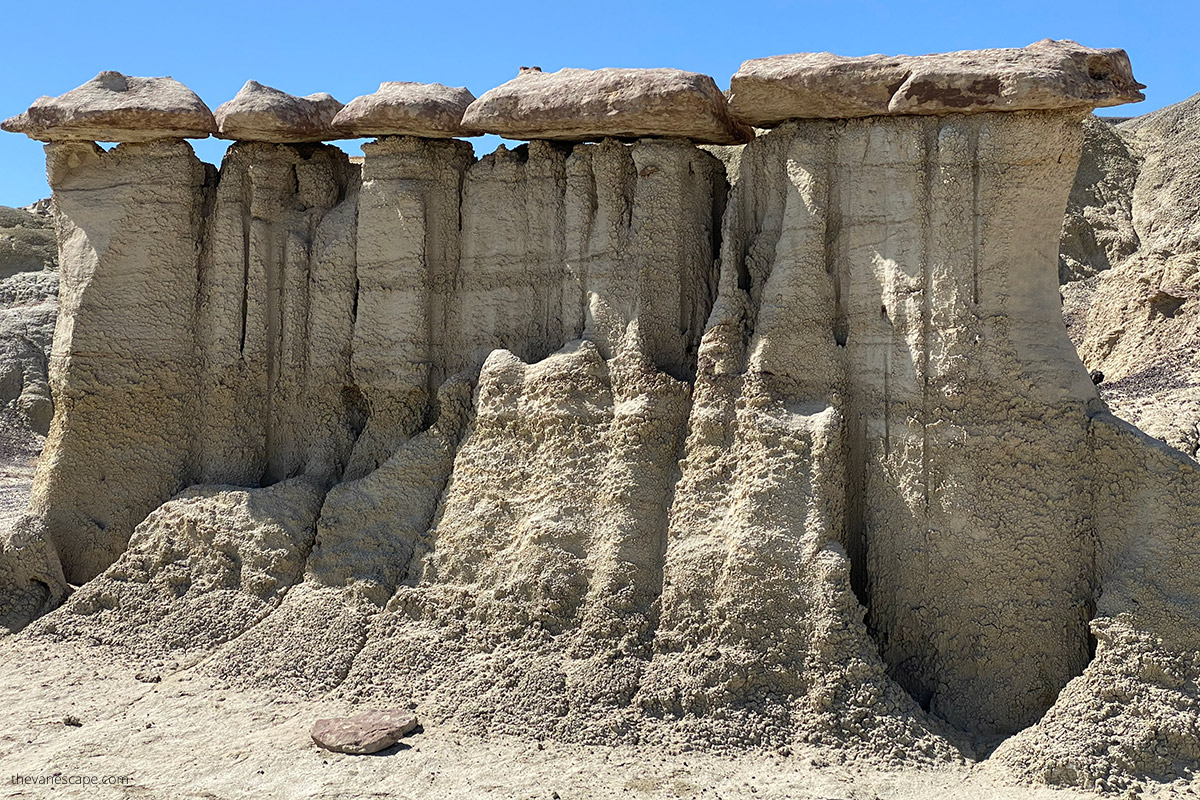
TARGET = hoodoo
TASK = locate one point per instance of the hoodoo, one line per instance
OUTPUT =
(622, 435)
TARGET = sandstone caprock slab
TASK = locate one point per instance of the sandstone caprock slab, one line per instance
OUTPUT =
(1045, 75)
(403, 108)
(259, 113)
(112, 107)
(578, 105)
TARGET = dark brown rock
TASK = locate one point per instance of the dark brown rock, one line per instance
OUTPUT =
(368, 732)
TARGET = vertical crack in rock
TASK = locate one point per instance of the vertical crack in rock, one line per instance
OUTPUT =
(976, 244)
(929, 160)
(856, 476)
(245, 318)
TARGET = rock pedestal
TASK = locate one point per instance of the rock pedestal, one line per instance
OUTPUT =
(123, 368)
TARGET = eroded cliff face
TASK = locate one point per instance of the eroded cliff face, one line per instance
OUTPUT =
(895, 275)
(617, 441)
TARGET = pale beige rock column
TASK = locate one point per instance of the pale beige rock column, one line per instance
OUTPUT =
(123, 367)
(761, 638)
(275, 319)
(968, 516)
(408, 253)
(889, 313)
(968, 408)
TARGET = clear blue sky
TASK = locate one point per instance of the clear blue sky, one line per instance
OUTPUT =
(348, 48)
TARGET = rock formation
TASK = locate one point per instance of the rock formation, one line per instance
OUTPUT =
(626, 441)
(112, 107)
(263, 114)
(1098, 231)
(1045, 75)
(401, 108)
(578, 105)
(28, 306)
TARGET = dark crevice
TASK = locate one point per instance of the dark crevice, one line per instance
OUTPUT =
(246, 221)
(975, 243)
(833, 261)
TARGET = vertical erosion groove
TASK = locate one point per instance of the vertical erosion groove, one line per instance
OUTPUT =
(973, 154)
(833, 264)
(838, 266)
(929, 162)
(246, 219)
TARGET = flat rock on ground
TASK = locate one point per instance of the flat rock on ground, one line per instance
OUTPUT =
(580, 105)
(402, 108)
(261, 113)
(368, 732)
(1045, 75)
(112, 107)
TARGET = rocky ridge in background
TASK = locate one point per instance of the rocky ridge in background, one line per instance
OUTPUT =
(28, 307)
(1130, 268)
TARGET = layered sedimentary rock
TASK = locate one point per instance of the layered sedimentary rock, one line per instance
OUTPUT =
(29, 573)
(275, 317)
(1131, 270)
(1045, 75)
(129, 225)
(881, 283)
(627, 441)
(233, 363)
(1098, 231)
(28, 306)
